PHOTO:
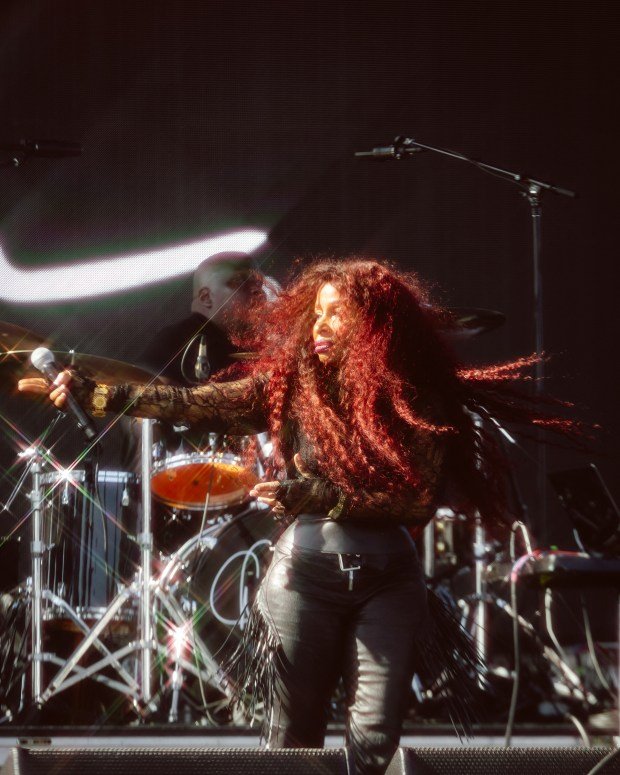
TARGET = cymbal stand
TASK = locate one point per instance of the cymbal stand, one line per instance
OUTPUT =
(36, 589)
(38, 594)
(70, 672)
(145, 540)
(481, 556)
(141, 590)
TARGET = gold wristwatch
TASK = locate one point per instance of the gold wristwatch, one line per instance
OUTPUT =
(99, 401)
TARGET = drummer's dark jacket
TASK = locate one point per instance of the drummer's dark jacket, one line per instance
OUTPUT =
(172, 354)
(164, 353)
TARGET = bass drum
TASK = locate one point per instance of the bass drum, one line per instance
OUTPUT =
(209, 582)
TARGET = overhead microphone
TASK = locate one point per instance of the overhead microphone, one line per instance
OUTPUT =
(46, 149)
(402, 146)
(43, 360)
(202, 367)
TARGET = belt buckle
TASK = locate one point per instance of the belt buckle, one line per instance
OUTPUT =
(349, 568)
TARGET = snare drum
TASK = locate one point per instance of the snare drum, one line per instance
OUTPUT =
(89, 528)
(197, 480)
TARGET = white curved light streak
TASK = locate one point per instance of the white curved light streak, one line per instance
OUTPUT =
(101, 277)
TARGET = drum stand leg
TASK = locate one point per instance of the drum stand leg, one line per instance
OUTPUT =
(179, 620)
(177, 681)
(111, 658)
(93, 636)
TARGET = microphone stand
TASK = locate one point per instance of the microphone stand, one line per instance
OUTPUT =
(532, 189)
(20, 152)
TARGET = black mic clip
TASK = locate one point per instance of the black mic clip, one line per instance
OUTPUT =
(405, 146)
(401, 147)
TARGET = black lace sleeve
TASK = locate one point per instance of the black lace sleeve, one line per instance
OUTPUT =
(236, 407)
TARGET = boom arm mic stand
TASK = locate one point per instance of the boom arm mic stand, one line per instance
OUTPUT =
(532, 189)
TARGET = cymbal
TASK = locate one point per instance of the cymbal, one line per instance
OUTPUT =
(95, 367)
(467, 322)
(14, 337)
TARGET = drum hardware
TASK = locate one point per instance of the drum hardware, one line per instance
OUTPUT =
(567, 683)
(482, 555)
(201, 595)
(145, 541)
(178, 641)
(36, 550)
(443, 543)
(70, 672)
(52, 599)
(179, 623)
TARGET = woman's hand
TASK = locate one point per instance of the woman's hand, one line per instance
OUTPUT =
(40, 386)
(266, 492)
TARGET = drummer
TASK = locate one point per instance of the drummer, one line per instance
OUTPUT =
(224, 285)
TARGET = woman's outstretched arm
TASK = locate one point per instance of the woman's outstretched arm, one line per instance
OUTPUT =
(235, 407)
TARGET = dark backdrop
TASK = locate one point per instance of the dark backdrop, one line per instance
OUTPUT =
(198, 117)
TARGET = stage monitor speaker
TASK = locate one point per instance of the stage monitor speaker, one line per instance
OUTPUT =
(465, 760)
(175, 761)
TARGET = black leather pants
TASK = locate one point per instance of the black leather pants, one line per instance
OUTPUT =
(358, 624)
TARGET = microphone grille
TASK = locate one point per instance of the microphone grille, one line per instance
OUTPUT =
(41, 357)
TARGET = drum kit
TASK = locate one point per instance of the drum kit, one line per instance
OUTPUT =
(138, 582)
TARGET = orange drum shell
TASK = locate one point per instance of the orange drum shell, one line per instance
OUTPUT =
(184, 481)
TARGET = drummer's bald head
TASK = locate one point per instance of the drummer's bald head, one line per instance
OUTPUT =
(220, 277)
(219, 268)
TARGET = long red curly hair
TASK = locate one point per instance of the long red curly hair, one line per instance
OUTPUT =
(397, 385)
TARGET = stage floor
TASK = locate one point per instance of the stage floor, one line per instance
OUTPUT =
(146, 736)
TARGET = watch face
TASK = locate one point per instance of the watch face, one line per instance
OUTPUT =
(99, 401)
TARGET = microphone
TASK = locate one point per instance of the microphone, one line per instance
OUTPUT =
(43, 360)
(403, 146)
(202, 367)
(46, 149)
